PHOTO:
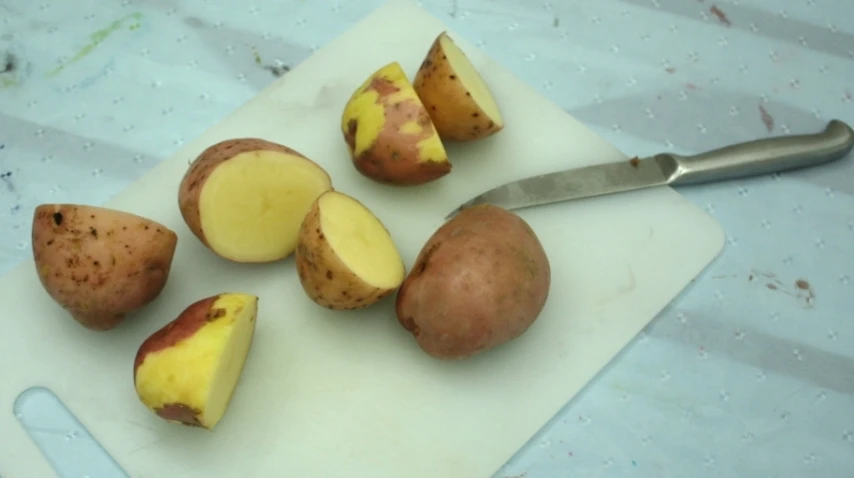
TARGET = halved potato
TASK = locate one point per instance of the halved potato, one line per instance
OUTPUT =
(245, 198)
(457, 98)
(346, 258)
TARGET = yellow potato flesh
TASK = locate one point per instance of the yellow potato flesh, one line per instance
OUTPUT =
(202, 371)
(369, 113)
(360, 241)
(251, 206)
(471, 80)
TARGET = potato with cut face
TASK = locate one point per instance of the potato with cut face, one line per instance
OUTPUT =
(455, 95)
(389, 134)
(187, 371)
(245, 198)
(346, 258)
(100, 264)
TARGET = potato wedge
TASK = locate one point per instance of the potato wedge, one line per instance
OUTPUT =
(389, 134)
(100, 264)
(187, 371)
(481, 280)
(457, 98)
(346, 258)
(245, 198)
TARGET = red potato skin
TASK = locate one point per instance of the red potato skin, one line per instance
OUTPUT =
(188, 322)
(394, 159)
(201, 168)
(95, 280)
(481, 280)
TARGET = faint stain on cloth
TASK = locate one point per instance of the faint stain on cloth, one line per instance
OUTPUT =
(7, 179)
(767, 119)
(277, 69)
(717, 12)
(98, 37)
(9, 66)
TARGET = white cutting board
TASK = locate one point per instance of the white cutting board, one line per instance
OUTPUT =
(333, 394)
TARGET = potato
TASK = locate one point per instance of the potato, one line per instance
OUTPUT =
(245, 198)
(480, 281)
(457, 98)
(100, 264)
(389, 133)
(187, 371)
(346, 258)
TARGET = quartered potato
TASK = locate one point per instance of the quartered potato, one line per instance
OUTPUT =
(389, 133)
(457, 98)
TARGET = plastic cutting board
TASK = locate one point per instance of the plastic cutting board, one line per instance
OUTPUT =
(331, 394)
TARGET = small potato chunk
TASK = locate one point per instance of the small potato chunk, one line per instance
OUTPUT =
(187, 371)
(100, 264)
(456, 96)
(389, 133)
(346, 258)
(245, 198)
(480, 281)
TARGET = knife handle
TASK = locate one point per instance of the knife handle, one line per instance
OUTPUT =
(763, 156)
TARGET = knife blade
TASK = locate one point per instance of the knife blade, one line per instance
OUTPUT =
(762, 156)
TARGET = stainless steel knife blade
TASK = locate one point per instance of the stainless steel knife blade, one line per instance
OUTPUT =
(750, 158)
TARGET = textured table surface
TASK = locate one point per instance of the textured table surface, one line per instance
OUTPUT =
(749, 373)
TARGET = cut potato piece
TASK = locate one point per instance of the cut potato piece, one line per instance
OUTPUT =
(389, 133)
(457, 98)
(346, 258)
(100, 264)
(245, 198)
(187, 371)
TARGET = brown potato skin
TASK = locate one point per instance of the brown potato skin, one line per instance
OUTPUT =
(472, 288)
(98, 263)
(455, 114)
(394, 158)
(324, 278)
(201, 168)
(183, 414)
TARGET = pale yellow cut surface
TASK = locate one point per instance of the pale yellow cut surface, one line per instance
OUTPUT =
(360, 241)
(471, 79)
(202, 370)
(251, 206)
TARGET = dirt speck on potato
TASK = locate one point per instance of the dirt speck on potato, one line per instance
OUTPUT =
(57, 218)
(215, 314)
(421, 265)
(179, 412)
(350, 137)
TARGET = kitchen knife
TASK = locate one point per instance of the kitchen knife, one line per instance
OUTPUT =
(751, 158)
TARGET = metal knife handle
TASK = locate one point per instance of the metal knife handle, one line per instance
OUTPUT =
(763, 156)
